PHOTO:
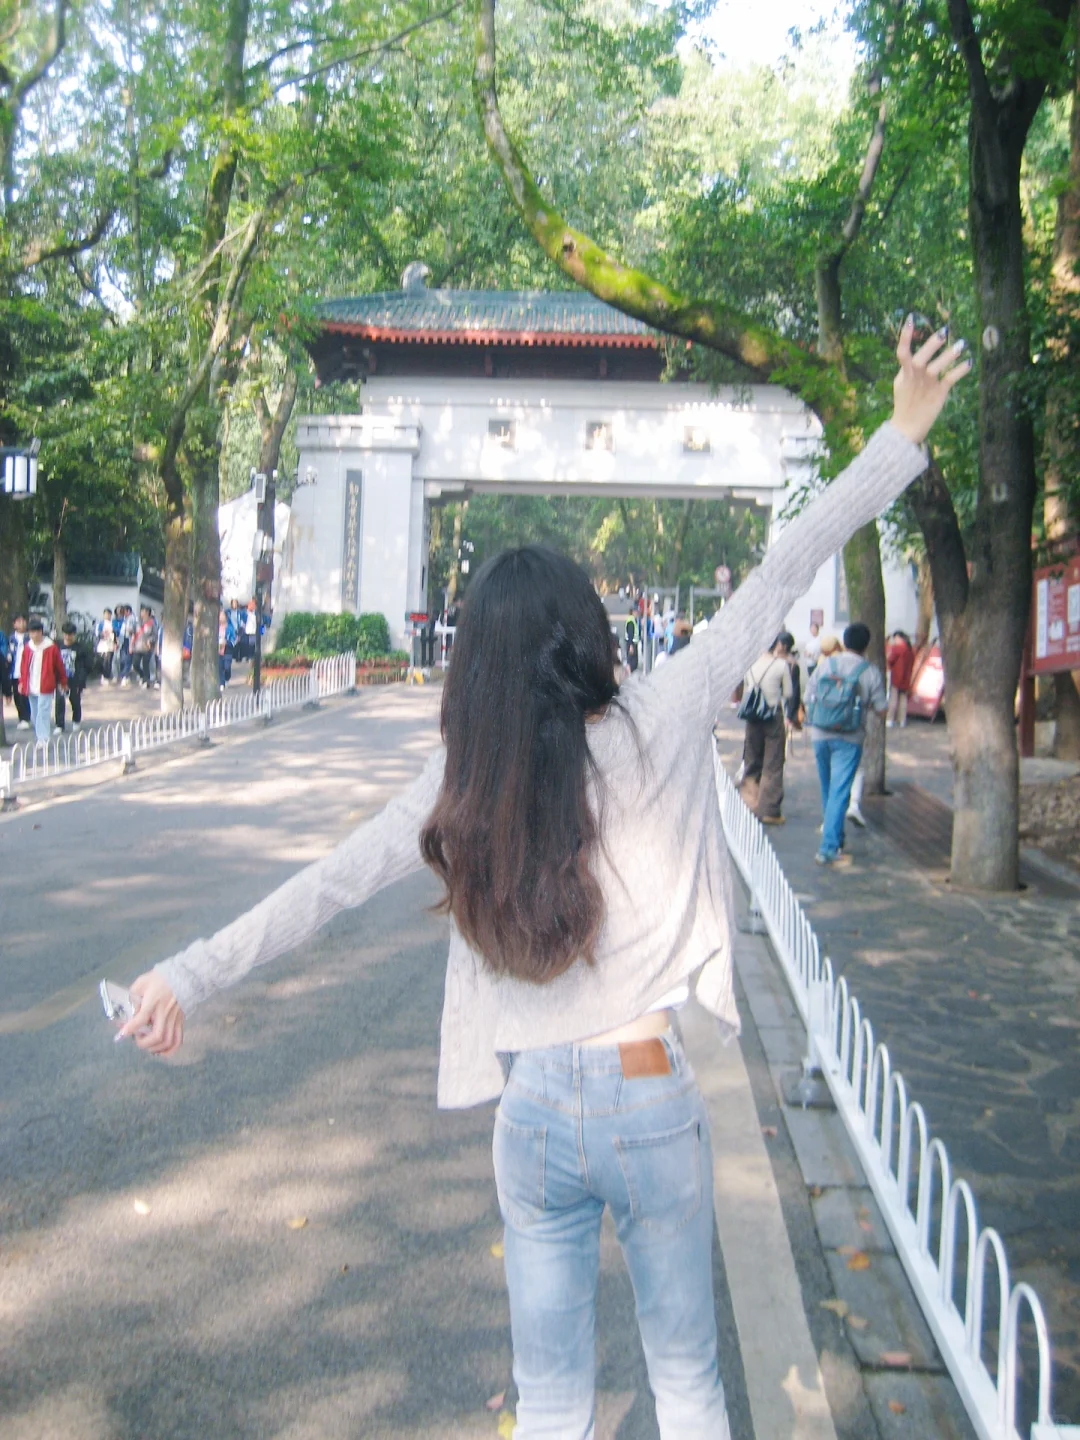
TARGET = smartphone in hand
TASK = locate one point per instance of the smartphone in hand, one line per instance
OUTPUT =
(117, 1001)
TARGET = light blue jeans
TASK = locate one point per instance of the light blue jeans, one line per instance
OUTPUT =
(41, 716)
(571, 1136)
(837, 761)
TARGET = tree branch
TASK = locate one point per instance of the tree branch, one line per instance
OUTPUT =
(932, 504)
(50, 50)
(380, 49)
(984, 107)
(39, 251)
(718, 327)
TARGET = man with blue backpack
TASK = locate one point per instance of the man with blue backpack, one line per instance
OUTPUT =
(842, 690)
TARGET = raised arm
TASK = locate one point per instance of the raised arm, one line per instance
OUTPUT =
(707, 672)
(384, 849)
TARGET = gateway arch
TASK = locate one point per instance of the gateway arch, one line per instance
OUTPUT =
(508, 393)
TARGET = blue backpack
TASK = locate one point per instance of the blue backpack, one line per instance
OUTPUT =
(837, 703)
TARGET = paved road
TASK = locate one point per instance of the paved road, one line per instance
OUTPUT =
(155, 1279)
(978, 1000)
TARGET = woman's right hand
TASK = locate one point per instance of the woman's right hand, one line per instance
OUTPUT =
(158, 1024)
(924, 380)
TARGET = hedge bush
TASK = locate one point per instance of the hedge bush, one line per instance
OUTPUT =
(315, 636)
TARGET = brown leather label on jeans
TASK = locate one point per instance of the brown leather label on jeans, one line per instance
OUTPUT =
(642, 1058)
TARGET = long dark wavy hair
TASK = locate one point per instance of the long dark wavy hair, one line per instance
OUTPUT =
(513, 834)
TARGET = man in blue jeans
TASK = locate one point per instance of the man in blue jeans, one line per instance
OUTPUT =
(841, 691)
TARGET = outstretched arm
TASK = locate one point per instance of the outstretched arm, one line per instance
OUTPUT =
(384, 849)
(713, 665)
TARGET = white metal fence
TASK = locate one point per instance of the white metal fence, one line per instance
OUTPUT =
(931, 1216)
(123, 740)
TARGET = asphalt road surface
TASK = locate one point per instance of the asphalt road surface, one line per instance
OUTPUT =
(275, 1234)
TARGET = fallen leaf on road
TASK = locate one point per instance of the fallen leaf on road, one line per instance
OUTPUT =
(838, 1307)
(973, 994)
(897, 1407)
(496, 1401)
(230, 1019)
(498, 1250)
(896, 1359)
(865, 1225)
(506, 1425)
(141, 1207)
(816, 1192)
(344, 1269)
(857, 1322)
(859, 1261)
(298, 1222)
(847, 1249)
(769, 1130)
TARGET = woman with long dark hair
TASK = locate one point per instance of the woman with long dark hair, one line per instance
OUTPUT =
(554, 803)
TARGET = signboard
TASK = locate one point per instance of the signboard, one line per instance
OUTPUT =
(722, 576)
(927, 686)
(1056, 618)
(817, 617)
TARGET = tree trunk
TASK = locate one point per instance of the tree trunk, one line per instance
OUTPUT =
(983, 640)
(866, 602)
(59, 584)
(206, 578)
(925, 622)
(986, 793)
(455, 554)
(1061, 421)
(175, 607)
(14, 573)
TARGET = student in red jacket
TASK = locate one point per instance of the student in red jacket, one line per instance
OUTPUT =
(900, 662)
(41, 676)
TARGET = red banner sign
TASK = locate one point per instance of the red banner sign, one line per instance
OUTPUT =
(1055, 611)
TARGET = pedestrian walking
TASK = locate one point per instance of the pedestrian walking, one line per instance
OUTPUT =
(105, 644)
(17, 642)
(841, 691)
(767, 691)
(75, 670)
(553, 804)
(41, 676)
(812, 648)
(143, 645)
(900, 663)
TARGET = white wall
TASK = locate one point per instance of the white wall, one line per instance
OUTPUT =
(237, 523)
(748, 431)
(422, 438)
(90, 598)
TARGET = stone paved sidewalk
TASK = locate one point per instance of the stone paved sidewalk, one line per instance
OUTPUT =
(977, 999)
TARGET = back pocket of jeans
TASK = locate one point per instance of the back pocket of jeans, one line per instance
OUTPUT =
(663, 1176)
(519, 1153)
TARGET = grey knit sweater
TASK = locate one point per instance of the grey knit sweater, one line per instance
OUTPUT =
(663, 865)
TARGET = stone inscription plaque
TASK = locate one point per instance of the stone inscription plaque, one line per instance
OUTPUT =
(350, 549)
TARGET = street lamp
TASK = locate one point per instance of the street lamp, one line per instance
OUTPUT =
(20, 469)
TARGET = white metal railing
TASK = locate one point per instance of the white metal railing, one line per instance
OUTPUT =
(901, 1161)
(123, 740)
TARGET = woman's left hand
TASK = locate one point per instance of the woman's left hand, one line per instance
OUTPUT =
(158, 1024)
(924, 380)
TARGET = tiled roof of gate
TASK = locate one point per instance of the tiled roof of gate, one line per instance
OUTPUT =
(483, 317)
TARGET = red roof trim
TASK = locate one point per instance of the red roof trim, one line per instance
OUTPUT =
(395, 336)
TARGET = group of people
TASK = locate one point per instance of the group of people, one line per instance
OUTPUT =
(125, 644)
(842, 688)
(41, 676)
